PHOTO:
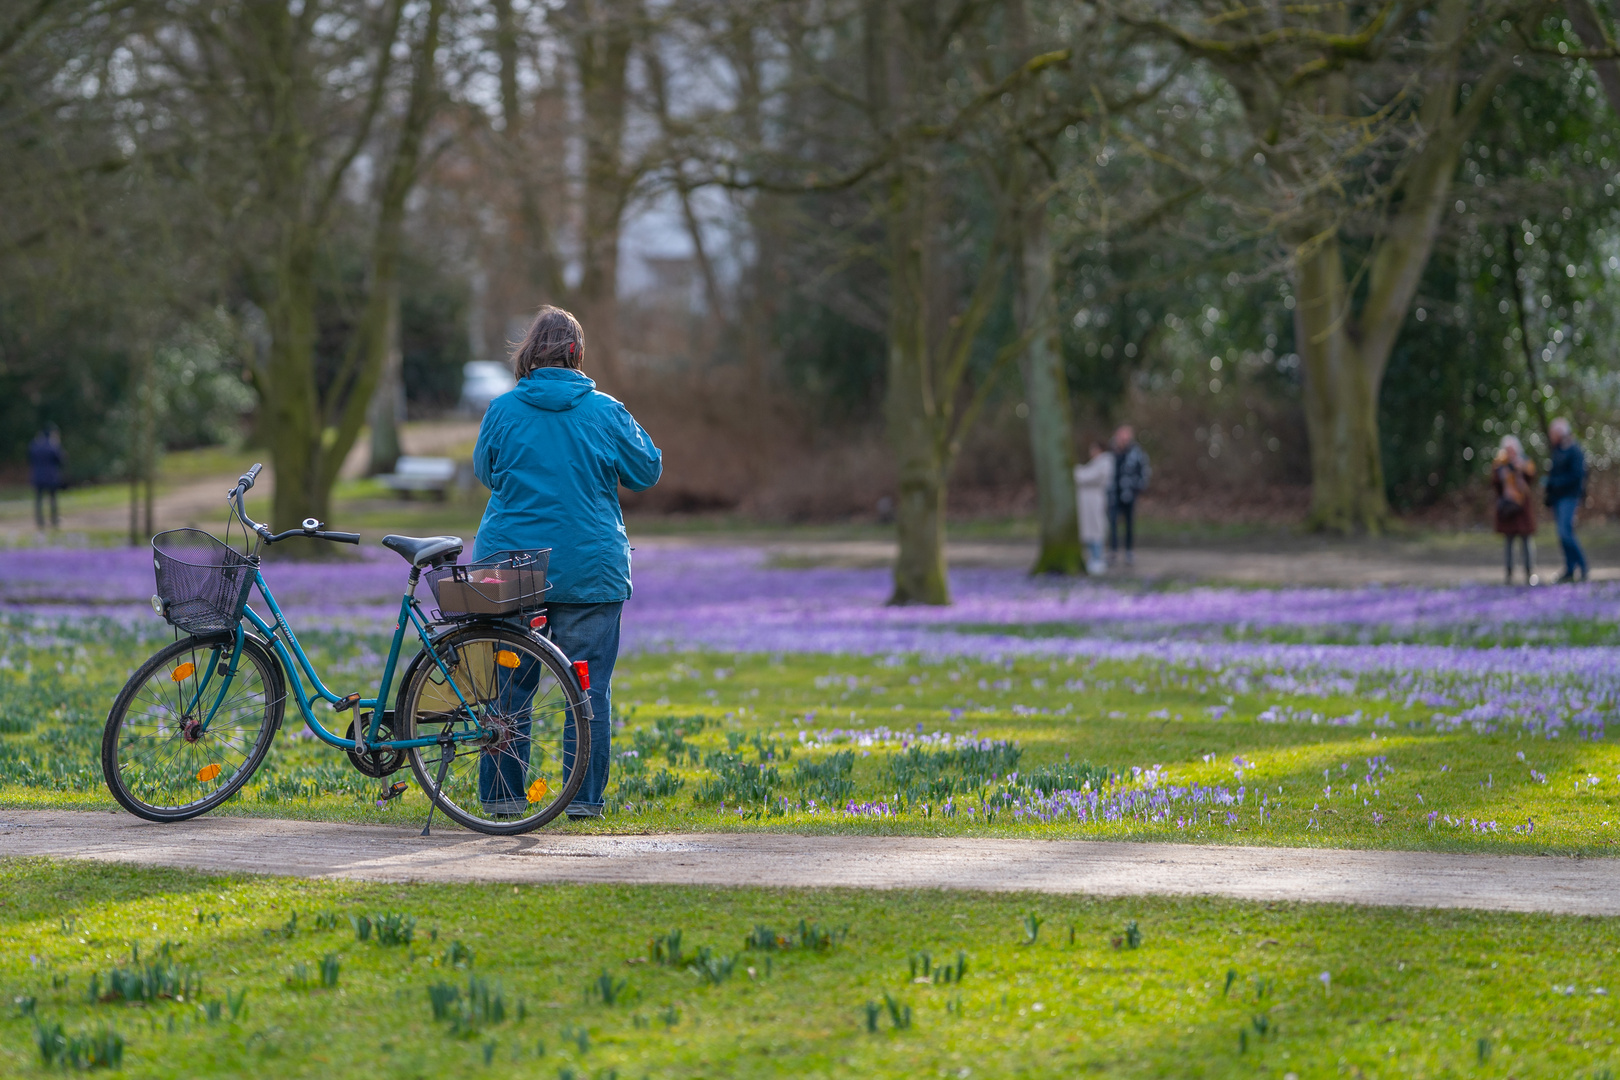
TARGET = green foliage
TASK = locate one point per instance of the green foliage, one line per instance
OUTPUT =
(666, 949)
(827, 780)
(899, 1014)
(606, 989)
(734, 780)
(837, 364)
(457, 955)
(661, 786)
(391, 928)
(160, 978)
(102, 1048)
(1064, 776)
(711, 967)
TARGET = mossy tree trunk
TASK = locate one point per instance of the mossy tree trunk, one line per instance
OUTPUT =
(1317, 105)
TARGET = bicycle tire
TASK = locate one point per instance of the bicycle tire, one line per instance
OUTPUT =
(425, 708)
(142, 725)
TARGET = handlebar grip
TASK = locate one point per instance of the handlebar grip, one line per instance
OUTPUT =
(246, 480)
(342, 538)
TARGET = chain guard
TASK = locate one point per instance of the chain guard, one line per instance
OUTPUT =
(377, 764)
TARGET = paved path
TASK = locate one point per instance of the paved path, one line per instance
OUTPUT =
(377, 853)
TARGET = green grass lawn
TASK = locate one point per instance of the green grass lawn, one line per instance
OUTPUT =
(723, 742)
(567, 982)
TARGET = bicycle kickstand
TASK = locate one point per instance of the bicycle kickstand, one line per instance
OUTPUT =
(445, 754)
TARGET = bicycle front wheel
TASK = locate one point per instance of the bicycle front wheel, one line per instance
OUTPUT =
(185, 734)
(518, 703)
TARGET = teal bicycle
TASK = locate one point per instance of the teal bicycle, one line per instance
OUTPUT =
(490, 715)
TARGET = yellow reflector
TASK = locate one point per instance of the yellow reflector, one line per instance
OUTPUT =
(183, 672)
(208, 772)
(537, 790)
(506, 658)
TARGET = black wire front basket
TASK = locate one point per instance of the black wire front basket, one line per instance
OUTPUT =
(506, 583)
(202, 582)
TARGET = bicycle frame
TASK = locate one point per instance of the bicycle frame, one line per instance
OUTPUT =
(296, 663)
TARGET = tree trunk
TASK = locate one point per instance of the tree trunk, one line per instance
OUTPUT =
(293, 427)
(1046, 389)
(376, 338)
(603, 55)
(922, 456)
(387, 412)
(1341, 399)
(535, 250)
(919, 570)
(1046, 396)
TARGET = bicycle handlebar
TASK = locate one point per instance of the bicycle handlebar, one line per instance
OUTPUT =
(310, 528)
(316, 534)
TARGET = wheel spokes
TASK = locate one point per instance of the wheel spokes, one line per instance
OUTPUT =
(509, 764)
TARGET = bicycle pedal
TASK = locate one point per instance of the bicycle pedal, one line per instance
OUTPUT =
(345, 704)
(394, 791)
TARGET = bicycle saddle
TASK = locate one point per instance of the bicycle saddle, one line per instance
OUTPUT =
(424, 550)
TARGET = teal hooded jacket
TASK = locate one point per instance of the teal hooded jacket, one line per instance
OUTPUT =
(553, 453)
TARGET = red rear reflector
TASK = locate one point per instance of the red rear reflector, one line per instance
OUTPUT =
(537, 622)
(583, 670)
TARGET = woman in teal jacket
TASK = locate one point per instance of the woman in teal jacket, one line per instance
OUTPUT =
(553, 453)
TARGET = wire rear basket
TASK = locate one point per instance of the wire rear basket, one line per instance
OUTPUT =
(202, 582)
(506, 583)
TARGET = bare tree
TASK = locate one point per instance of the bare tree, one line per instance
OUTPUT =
(1358, 122)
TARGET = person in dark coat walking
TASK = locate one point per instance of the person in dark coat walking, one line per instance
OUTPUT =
(1513, 477)
(1131, 474)
(1566, 487)
(45, 462)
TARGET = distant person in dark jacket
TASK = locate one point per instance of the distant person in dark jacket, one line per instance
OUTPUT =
(1131, 475)
(1513, 478)
(1566, 487)
(45, 462)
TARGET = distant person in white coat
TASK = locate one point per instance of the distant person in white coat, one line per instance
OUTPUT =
(1093, 481)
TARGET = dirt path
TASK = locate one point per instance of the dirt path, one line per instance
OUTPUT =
(375, 853)
(203, 500)
(1324, 563)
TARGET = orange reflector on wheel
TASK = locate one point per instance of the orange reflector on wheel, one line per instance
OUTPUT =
(208, 772)
(183, 672)
(583, 670)
(537, 790)
(506, 658)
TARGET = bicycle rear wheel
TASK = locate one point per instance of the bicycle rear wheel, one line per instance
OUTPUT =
(520, 773)
(162, 755)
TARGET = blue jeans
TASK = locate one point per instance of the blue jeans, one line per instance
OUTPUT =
(588, 632)
(1564, 513)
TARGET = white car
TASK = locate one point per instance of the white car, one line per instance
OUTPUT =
(482, 381)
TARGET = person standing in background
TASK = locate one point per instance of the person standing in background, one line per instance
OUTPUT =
(1566, 487)
(45, 467)
(1513, 478)
(1132, 471)
(1094, 482)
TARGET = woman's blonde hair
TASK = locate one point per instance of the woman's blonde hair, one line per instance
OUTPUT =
(555, 339)
(1511, 442)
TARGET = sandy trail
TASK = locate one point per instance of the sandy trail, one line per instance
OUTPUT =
(1522, 883)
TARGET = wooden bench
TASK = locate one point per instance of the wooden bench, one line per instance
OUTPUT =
(414, 474)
